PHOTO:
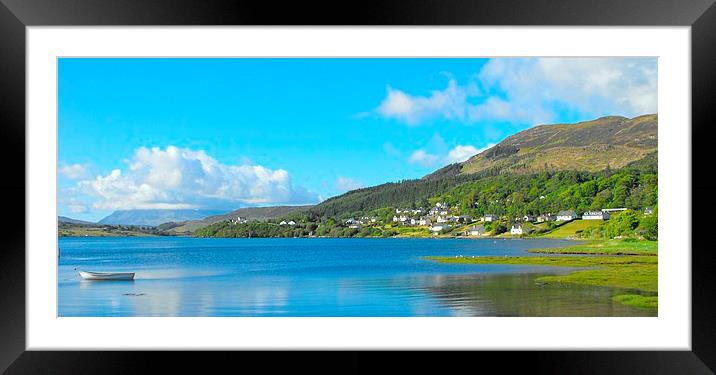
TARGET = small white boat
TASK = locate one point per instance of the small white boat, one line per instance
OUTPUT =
(87, 275)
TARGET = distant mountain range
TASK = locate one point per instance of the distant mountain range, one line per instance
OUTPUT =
(251, 213)
(64, 219)
(155, 217)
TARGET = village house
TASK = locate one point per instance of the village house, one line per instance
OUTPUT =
(238, 220)
(401, 219)
(489, 218)
(355, 225)
(517, 229)
(528, 218)
(284, 222)
(291, 222)
(441, 219)
(424, 221)
(614, 209)
(595, 215)
(648, 211)
(567, 215)
(477, 230)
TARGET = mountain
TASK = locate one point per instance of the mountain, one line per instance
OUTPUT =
(155, 217)
(64, 219)
(251, 213)
(592, 146)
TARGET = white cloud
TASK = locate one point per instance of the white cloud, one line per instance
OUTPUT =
(73, 171)
(531, 90)
(461, 153)
(423, 158)
(180, 178)
(344, 184)
(449, 103)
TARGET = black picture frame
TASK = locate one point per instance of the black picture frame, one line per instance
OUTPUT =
(16, 15)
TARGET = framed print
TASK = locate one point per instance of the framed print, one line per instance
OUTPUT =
(414, 180)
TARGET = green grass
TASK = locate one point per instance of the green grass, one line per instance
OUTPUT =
(608, 247)
(636, 300)
(634, 275)
(572, 229)
(638, 271)
(412, 231)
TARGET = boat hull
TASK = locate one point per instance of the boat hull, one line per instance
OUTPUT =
(107, 275)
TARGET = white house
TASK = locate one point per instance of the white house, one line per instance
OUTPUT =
(516, 229)
(477, 230)
(528, 217)
(424, 221)
(567, 215)
(614, 209)
(489, 218)
(648, 211)
(442, 219)
(238, 220)
(283, 222)
(595, 215)
(401, 219)
(291, 222)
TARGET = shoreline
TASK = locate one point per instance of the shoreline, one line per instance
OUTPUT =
(633, 270)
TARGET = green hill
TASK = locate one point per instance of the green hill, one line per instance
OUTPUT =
(607, 142)
(606, 163)
(251, 213)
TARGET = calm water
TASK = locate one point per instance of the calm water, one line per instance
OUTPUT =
(178, 276)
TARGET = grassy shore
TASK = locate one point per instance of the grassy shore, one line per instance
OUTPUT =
(571, 229)
(605, 266)
(608, 247)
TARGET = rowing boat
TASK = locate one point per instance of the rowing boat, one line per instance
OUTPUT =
(87, 275)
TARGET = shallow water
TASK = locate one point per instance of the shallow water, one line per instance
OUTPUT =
(178, 276)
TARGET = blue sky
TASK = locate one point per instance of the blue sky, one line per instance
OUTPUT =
(227, 133)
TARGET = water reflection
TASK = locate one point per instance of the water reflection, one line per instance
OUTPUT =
(196, 277)
(521, 295)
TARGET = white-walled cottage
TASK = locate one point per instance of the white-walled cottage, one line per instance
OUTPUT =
(566, 215)
(595, 215)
